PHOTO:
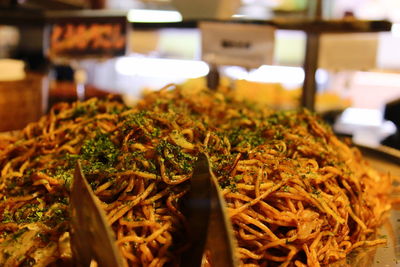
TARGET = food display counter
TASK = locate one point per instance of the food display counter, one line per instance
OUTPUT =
(241, 173)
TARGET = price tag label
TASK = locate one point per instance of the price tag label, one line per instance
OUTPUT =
(238, 44)
(343, 51)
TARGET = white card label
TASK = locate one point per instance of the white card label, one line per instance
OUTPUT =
(344, 51)
(238, 44)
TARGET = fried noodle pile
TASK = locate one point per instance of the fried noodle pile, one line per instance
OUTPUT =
(296, 194)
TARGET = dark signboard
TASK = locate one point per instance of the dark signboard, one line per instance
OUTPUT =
(82, 37)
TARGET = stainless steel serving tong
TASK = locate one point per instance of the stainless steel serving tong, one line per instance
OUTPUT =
(91, 236)
(209, 226)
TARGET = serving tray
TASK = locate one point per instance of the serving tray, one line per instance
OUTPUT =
(383, 159)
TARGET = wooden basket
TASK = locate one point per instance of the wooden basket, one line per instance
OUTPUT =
(20, 102)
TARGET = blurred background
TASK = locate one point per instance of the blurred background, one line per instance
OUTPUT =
(157, 42)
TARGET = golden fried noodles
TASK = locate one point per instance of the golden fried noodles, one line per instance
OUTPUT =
(296, 194)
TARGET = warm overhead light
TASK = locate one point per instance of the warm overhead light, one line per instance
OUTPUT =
(160, 67)
(271, 74)
(362, 116)
(396, 29)
(153, 16)
(277, 74)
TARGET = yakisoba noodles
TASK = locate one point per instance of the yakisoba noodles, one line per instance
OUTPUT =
(296, 194)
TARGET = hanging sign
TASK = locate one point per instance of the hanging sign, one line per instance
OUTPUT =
(238, 44)
(87, 37)
(344, 51)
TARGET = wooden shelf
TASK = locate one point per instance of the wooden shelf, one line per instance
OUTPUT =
(24, 16)
(65, 15)
(319, 26)
(335, 26)
(21, 17)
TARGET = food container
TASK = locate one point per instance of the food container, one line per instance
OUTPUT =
(20, 102)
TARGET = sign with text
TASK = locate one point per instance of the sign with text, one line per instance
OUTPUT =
(87, 39)
(238, 44)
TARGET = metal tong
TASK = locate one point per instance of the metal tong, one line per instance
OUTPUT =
(91, 236)
(209, 226)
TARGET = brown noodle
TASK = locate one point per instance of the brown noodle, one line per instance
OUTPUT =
(296, 194)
